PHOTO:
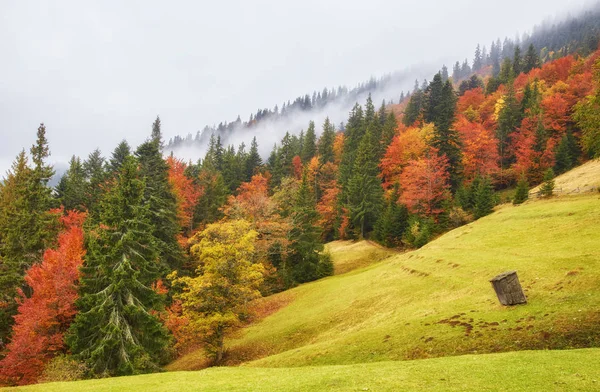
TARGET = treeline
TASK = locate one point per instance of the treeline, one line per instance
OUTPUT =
(579, 34)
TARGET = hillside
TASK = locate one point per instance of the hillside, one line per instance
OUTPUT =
(569, 370)
(584, 178)
(437, 301)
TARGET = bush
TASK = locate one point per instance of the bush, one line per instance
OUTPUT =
(63, 368)
(458, 217)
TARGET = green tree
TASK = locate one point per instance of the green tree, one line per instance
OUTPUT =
(547, 188)
(253, 161)
(531, 60)
(118, 157)
(216, 300)
(305, 246)
(161, 200)
(522, 193)
(326, 140)
(365, 193)
(484, 198)
(587, 116)
(115, 332)
(96, 175)
(72, 186)
(390, 228)
(309, 145)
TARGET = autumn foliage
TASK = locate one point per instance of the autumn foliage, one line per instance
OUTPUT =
(44, 317)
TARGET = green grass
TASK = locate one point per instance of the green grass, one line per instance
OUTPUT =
(569, 370)
(348, 255)
(437, 301)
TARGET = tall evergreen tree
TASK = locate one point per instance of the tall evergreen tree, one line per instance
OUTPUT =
(326, 140)
(115, 332)
(477, 60)
(96, 176)
(445, 138)
(305, 242)
(309, 146)
(72, 186)
(483, 198)
(161, 200)
(531, 60)
(253, 161)
(118, 157)
(508, 121)
(365, 194)
(517, 61)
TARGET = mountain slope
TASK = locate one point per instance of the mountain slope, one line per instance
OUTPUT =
(437, 301)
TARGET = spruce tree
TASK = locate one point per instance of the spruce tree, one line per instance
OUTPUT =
(393, 223)
(326, 141)
(253, 161)
(118, 157)
(309, 145)
(115, 331)
(566, 154)
(72, 186)
(517, 64)
(547, 188)
(95, 173)
(522, 192)
(305, 243)
(445, 138)
(161, 201)
(484, 198)
(531, 60)
(365, 194)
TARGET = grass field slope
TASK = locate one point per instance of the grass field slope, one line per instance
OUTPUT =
(437, 301)
(569, 370)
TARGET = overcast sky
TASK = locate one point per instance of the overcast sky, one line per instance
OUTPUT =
(96, 72)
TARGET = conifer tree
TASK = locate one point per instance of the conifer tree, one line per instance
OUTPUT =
(161, 200)
(72, 186)
(115, 332)
(522, 192)
(414, 108)
(355, 129)
(393, 223)
(305, 243)
(365, 194)
(96, 175)
(446, 139)
(547, 188)
(118, 157)
(325, 147)
(253, 161)
(517, 64)
(531, 60)
(566, 153)
(483, 198)
(309, 145)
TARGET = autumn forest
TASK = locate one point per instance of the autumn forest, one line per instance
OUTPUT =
(135, 257)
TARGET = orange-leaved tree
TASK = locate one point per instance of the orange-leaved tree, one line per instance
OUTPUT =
(44, 317)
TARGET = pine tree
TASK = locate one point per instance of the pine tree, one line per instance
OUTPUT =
(566, 154)
(522, 192)
(96, 175)
(547, 188)
(253, 161)
(483, 198)
(413, 108)
(118, 157)
(365, 194)
(446, 139)
(477, 60)
(325, 147)
(115, 332)
(517, 64)
(393, 223)
(508, 121)
(309, 145)
(161, 200)
(71, 188)
(305, 242)
(531, 60)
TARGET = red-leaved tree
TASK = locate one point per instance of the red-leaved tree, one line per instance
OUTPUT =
(44, 317)
(425, 184)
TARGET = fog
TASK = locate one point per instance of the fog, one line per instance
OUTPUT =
(98, 72)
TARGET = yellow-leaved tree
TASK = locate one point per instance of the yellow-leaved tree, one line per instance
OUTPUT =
(228, 278)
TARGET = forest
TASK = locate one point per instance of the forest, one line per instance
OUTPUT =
(134, 258)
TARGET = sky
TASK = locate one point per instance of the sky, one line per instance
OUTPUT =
(97, 72)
